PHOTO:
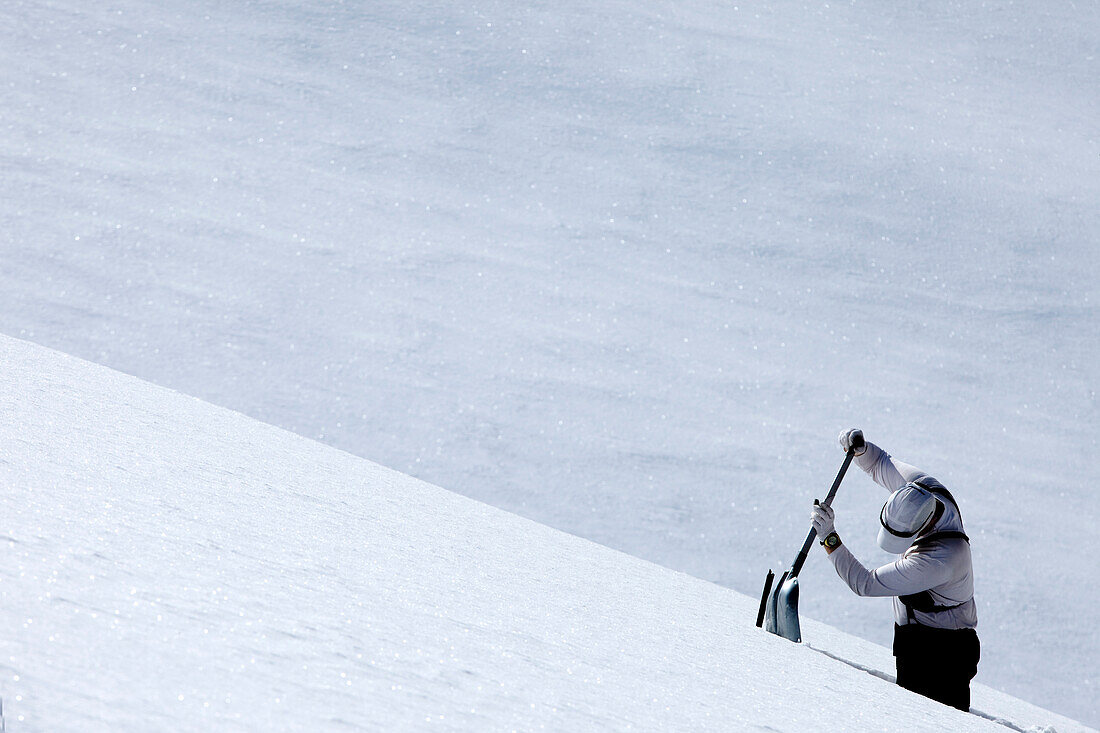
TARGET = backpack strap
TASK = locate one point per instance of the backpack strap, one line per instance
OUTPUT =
(948, 534)
(930, 484)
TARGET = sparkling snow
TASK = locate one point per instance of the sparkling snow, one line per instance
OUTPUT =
(624, 268)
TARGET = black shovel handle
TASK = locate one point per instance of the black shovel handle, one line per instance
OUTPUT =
(801, 559)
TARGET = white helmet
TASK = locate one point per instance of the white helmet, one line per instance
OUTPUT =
(903, 516)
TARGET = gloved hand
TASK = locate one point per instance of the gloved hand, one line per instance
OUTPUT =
(822, 519)
(851, 437)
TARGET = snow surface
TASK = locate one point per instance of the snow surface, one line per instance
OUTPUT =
(172, 565)
(624, 268)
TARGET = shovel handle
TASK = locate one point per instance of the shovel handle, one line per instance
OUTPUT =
(764, 599)
(801, 559)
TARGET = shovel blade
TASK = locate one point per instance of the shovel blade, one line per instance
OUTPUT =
(781, 615)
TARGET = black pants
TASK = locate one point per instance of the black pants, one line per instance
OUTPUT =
(937, 663)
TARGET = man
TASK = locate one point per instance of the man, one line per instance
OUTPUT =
(935, 644)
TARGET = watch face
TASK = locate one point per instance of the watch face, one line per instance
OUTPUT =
(832, 541)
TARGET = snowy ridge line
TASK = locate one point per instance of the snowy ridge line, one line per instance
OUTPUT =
(220, 573)
(893, 680)
(861, 667)
(986, 703)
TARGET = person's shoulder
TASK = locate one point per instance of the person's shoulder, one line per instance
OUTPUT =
(928, 482)
(938, 543)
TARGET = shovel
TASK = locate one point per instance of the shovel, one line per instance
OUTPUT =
(779, 608)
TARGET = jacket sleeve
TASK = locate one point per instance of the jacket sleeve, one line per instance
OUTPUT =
(913, 573)
(884, 470)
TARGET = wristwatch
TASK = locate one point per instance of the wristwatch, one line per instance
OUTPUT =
(831, 542)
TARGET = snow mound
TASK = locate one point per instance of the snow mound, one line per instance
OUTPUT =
(174, 565)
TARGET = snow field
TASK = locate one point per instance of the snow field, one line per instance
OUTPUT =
(171, 564)
(624, 268)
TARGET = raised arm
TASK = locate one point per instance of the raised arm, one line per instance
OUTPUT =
(877, 463)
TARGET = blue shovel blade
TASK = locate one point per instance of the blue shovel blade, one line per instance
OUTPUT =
(781, 616)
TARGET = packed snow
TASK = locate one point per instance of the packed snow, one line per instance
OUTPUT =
(624, 268)
(171, 565)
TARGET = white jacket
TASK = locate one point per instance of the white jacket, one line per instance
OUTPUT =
(944, 568)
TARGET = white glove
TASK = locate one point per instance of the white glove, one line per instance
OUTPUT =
(854, 435)
(822, 519)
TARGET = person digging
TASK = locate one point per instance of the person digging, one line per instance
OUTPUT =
(935, 642)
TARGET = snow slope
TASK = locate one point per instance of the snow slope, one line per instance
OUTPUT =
(624, 268)
(171, 565)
